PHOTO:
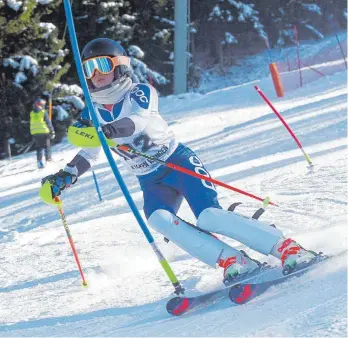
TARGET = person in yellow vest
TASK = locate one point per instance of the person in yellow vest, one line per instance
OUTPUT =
(42, 130)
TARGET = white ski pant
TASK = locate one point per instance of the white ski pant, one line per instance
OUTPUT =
(256, 235)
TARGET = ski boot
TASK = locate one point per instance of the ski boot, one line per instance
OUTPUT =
(239, 267)
(292, 255)
(40, 164)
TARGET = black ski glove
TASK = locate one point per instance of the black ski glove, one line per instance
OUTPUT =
(60, 181)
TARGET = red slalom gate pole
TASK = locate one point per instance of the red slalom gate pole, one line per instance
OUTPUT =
(67, 230)
(189, 172)
(298, 54)
(285, 124)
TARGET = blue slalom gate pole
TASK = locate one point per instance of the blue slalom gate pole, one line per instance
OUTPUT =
(142, 224)
(97, 185)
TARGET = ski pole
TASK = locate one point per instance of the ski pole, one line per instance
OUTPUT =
(59, 204)
(164, 263)
(97, 185)
(285, 125)
(187, 171)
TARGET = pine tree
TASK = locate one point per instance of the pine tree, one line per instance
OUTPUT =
(154, 34)
(31, 55)
(312, 18)
(229, 26)
(108, 19)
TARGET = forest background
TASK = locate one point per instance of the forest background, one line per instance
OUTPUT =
(36, 59)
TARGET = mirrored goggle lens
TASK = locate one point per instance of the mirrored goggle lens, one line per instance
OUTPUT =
(103, 64)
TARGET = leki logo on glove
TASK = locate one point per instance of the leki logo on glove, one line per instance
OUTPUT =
(82, 133)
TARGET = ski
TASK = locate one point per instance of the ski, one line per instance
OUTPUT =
(179, 305)
(244, 292)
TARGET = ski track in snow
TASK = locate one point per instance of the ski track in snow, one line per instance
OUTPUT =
(243, 144)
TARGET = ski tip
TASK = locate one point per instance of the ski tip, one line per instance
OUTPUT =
(178, 305)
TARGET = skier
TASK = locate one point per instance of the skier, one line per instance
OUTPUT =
(42, 130)
(128, 113)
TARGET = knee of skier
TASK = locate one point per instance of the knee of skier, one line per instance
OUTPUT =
(160, 218)
(207, 218)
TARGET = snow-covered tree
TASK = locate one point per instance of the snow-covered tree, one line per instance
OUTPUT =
(227, 24)
(31, 60)
(236, 17)
(110, 19)
(141, 72)
(154, 32)
(310, 17)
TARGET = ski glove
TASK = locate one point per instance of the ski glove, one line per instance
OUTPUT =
(83, 123)
(59, 181)
(52, 136)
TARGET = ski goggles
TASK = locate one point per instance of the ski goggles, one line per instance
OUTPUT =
(104, 64)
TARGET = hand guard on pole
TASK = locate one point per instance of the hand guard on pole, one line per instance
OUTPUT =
(59, 181)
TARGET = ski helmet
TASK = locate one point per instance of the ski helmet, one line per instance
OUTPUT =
(106, 47)
(39, 104)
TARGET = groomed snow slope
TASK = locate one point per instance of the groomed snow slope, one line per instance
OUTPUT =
(243, 144)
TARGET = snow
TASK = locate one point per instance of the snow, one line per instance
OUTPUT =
(128, 17)
(20, 77)
(27, 62)
(17, 4)
(315, 31)
(243, 144)
(216, 11)
(165, 20)
(74, 100)
(230, 38)
(48, 27)
(62, 114)
(101, 19)
(70, 89)
(14, 4)
(161, 34)
(312, 8)
(135, 51)
(44, 2)
(10, 62)
(111, 4)
(245, 12)
(324, 55)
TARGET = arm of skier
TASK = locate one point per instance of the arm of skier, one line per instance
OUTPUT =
(80, 164)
